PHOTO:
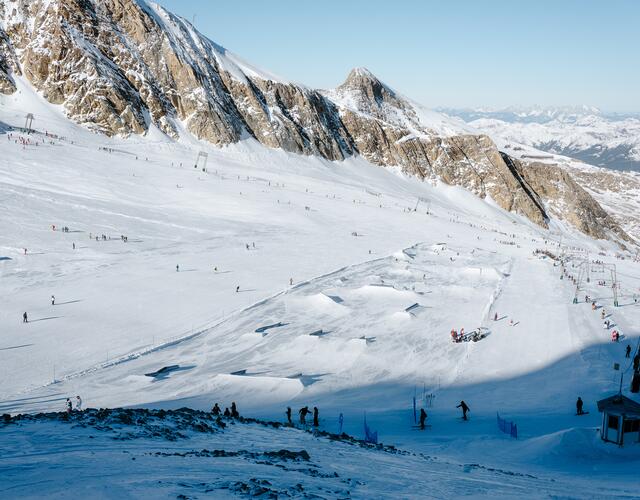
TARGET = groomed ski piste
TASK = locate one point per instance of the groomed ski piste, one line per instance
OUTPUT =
(349, 279)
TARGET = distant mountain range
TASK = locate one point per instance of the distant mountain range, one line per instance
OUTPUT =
(610, 140)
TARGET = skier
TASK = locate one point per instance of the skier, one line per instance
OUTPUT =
(215, 410)
(316, 423)
(53, 300)
(78, 403)
(579, 405)
(423, 418)
(303, 414)
(464, 408)
(234, 410)
(24, 317)
(288, 413)
(69, 406)
(628, 351)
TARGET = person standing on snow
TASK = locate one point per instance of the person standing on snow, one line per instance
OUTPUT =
(53, 300)
(78, 403)
(303, 412)
(464, 408)
(628, 351)
(215, 410)
(177, 268)
(69, 406)
(316, 422)
(24, 317)
(579, 405)
(288, 413)
(234, 410)
(423, 418)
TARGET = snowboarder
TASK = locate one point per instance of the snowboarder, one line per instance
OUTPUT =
(303, 412)
(628, 352)
(579, 405)
(288, 413)
(215, 410)
(24, 317)
(423, 418)
(53, 300)
(316, 423)
(69, 406)
(78, 403)
(234, 410)
(464, 408)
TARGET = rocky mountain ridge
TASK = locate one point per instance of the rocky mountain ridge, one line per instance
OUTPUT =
(121, 66)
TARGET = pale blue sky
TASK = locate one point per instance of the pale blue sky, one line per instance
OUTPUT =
(442, 53)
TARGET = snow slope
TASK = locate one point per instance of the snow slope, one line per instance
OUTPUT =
(359, 257)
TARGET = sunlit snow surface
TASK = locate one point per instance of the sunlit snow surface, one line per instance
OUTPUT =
(359, 257)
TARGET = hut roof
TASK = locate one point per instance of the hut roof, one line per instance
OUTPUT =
(619, 403)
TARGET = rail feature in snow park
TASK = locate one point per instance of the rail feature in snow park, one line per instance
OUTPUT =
(507, 427)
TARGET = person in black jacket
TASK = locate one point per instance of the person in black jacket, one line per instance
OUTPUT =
(303, 412)
(579, 405)
(316, 423)
(288, 412)
(465, 409)
(215, 410)
(423, 418)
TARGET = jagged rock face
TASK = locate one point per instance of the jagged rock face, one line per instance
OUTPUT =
(567, 200)
(470, 161)
(8, 63)
(119, 66)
